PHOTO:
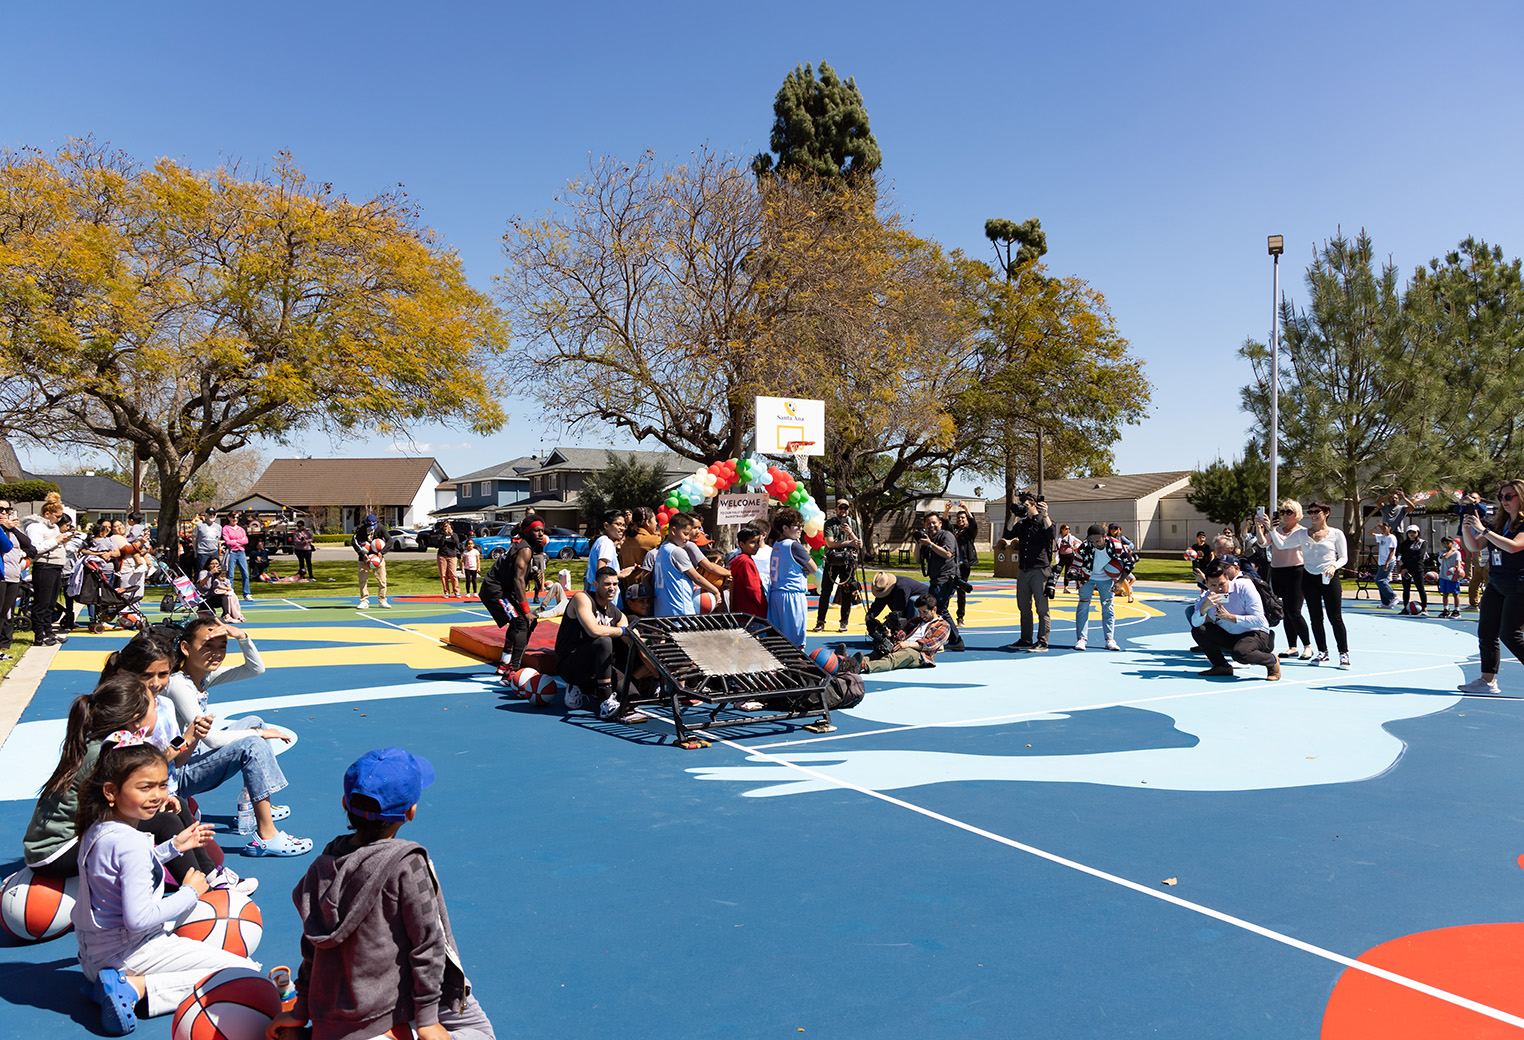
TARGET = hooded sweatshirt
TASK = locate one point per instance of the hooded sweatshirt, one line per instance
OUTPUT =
(377, 949)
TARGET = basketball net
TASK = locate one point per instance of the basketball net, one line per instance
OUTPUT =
(800, 451)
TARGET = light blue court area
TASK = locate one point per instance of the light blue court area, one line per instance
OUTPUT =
(1097, 844)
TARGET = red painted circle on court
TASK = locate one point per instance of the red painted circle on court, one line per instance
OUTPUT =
(1480, 962)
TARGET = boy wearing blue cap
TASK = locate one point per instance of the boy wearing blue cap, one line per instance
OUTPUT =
(377, 950)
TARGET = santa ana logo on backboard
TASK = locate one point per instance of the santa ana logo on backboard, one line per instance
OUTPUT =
(782, 421)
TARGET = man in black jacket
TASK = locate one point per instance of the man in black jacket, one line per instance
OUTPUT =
(1032, 529)
(939, 554)
(371, 557)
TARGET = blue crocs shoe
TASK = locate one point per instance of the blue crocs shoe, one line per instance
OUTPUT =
(118, 1001)
(282, 844)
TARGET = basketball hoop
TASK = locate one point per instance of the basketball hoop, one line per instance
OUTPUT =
(801, 452)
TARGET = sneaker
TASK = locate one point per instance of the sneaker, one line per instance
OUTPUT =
(841, 627)
(752, 705)
(248, 596)
(282, 844)
(818, 628)
(384, 604)
(60, 637)
(1322, 658)
(1111, 644)
(1038, 648)
(1479, 685)
(1344, 660)
(279, 812)
(575, 699)
(956, 646)
(364, 602)
(118, 1001)
(224, 877)
(1020, 644)
(1422, 613)
(609, 708)
(1079, 644)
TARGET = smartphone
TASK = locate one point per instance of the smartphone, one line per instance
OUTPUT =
(1259, 512)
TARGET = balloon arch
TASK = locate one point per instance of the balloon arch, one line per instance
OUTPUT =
(754, 474)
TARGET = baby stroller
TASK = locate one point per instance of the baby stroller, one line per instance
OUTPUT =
(183, 600)
(111, 604)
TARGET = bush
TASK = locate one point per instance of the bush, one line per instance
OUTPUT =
(326, 538)
(28, 490)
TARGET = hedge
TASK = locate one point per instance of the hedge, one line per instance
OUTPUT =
(28, 490)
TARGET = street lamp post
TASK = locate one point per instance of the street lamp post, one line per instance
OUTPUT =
(1277, 246)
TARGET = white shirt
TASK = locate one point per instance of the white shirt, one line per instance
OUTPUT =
(1317, 555)
(1386, 545)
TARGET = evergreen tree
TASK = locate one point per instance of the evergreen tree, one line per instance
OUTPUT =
(1228, 492)
(820, 129)
(624, 483)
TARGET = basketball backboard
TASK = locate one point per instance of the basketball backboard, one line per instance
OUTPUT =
(782, 421)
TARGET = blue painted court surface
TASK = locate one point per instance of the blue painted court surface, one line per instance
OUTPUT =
(979, 850)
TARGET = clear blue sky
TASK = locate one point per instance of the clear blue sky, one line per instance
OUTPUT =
(1158, 143)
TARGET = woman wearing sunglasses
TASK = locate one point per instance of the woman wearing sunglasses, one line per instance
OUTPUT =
(1286, 580)
(1324, 551)
(1502, 612)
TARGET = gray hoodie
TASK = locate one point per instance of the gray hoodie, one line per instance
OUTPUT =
(377, 949)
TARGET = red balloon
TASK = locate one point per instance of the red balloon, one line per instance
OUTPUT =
(816, 540)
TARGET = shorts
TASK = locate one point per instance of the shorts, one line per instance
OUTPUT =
(1449, 587)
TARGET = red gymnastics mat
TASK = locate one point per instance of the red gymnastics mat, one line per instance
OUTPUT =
(486, 642)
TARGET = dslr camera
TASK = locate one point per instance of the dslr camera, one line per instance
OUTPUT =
(1480, 510)
(1026, 496)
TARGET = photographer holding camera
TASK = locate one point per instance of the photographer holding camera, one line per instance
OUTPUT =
(939, 554)
(841, 548)
(1030, 527)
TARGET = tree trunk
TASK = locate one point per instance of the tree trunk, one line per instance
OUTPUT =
(171, 483)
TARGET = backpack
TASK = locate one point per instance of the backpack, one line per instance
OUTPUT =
(1275, 610)
(845, 690)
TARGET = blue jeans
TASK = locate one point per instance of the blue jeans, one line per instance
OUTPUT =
(1108, 611)
(250, 756)
(1384, 583)
(239, 559)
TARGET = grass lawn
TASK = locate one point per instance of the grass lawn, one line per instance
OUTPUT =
(406, 575)
(21, 642)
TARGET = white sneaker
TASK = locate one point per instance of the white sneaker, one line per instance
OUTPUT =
(384, 604)
(1343, 660)
(1479, 685)
(364, 602)
(1111, 644)
(609, 708)
(224, 877)
(575, 701)
(1079, 644)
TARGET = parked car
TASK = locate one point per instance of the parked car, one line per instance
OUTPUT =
(428, 537)
(497, 541)
(403, 540)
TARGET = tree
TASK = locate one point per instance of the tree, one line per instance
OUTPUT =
(1228, 492)
(820, 130)
(1358, 393)
(624, 483)
(1469, 311)
(185, 313)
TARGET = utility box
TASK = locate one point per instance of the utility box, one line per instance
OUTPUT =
(1007, 563)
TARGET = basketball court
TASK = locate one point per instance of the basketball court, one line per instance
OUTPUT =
(1073, 844)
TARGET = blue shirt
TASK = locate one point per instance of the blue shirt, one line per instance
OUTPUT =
(675, 592)
(785, 570)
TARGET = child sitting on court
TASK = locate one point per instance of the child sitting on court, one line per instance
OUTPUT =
(1451, 571)
(377, 950)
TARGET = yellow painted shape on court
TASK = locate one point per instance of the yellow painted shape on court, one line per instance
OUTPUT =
(418, 647)
(1002, 611)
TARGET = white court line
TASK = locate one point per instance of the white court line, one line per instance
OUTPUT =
(409, 631)
(1165, 897)
(986, 720)
(295, 604)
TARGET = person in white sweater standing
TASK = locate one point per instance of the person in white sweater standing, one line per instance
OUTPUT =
(1324, 551)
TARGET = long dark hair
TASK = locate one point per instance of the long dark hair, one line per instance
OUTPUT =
(193, 628)
(140, 653)
(116, 703)
(115, 766)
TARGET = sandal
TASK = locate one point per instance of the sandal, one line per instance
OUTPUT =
(282, 844)
(118, 1001)
(279, 812)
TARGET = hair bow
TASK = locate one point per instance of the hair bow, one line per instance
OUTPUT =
(129, 737)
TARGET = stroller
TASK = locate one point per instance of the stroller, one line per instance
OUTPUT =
(182, 600)
(111, 604)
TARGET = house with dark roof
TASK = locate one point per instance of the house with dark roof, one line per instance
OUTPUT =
(481, 494)
(98, 497)
(554, 485)
(401, 491)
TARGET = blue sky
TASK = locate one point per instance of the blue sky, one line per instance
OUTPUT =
(1159, 144)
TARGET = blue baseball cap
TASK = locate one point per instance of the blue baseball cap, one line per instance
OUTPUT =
(393, 777)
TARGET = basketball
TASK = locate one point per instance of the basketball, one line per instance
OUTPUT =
(1415, 608)
(706, 603)
(1192, 554)
(231, 1004)
(373, 560)
(825, 660)
(522, 678)
(542, 691)
(226, 919)
(379, 545)
(35, 909)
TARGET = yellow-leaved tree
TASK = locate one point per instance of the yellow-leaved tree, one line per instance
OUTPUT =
(180, 313)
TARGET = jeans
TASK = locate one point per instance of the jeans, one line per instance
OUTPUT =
(239, 559)
(1384, 583)
(1108, 610)
(1502, 612)
(942, 592)
(250, 756)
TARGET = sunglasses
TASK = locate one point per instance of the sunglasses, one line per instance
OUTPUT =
(1288, 512)
(1507, 496)
(1316, 512)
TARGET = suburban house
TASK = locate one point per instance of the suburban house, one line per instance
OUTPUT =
(99, 497)
(483, 493)
(338, 492)
(553, 486)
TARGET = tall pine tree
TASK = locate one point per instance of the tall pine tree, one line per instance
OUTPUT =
(820, 129)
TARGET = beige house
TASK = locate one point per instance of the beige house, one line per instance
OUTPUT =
(1151, 507)
(341, 491)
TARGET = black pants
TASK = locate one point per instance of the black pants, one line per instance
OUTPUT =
(471, 580)
(1286, 582)
(166, 825)
(1329, 597)
(964, 570)
(833, 582)
(304, 562)
(46, 578)
(516, 638)
(1408, 578)
(1502, 613)
(590, 666)
(8, 591)
(1246, 647)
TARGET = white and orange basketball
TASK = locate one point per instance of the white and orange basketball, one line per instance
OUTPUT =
(35, 908)
(227, 919)
(373, 560)
(231, 1004)
(706, 603)
(379, 545)
(542, 691)
(523, 677)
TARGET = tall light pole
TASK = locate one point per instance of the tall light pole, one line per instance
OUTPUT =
(1277, 245)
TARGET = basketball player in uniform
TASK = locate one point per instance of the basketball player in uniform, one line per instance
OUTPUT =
(591, 630)
(504, 594)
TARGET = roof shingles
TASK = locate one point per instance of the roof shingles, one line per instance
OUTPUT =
(343, 482)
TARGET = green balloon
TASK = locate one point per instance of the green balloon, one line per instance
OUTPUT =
(672, 501)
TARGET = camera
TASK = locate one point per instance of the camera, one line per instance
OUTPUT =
(920, 533)
(963, 585)
(1480, 510)
(1027, 496)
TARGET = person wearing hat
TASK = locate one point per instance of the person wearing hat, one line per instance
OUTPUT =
(505, 594)
(1095, 562)
(898, 595)
(378, 954)
(363, 543)
(1410, 558)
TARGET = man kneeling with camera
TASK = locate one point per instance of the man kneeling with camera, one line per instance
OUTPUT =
(1230, 616)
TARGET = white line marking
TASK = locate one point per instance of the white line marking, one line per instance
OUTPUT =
(295, 604)
(409, 631)
(1165, 897)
